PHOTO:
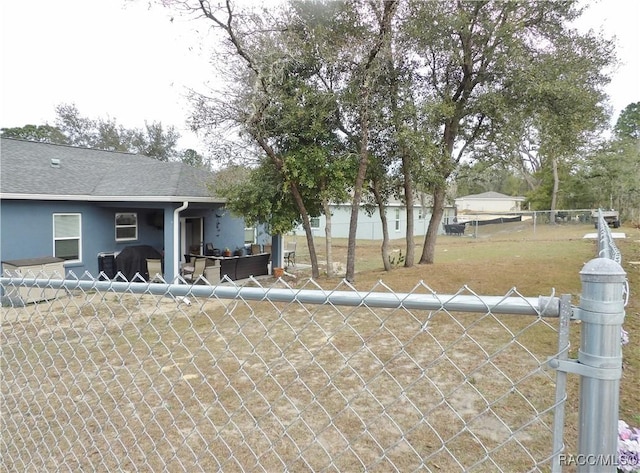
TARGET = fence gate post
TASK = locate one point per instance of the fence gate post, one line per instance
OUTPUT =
(602, 313)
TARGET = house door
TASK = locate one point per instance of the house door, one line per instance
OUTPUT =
(191, 235)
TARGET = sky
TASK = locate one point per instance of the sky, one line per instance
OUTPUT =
(128, 61)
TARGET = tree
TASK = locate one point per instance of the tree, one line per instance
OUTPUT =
(192, 158)
(472, 57)
(76, 130)
(105, 133)
(259, 195)
(263, 68)
(301, 84)
(365, 75)
(154, 141)
(628, 123)
(40, 133)
(415, 87)
(612, 171)
(485, 176)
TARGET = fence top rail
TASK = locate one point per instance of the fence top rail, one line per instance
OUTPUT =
(607, 247)
(546, 306)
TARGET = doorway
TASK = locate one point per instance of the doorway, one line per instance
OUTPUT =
(191, 235)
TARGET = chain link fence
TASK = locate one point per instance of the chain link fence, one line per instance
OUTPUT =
(524, 224)
(112, 376)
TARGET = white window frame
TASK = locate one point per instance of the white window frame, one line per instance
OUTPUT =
(397, 220)
(253, 235)
(78, 237)
(134, 226)
(314, 222)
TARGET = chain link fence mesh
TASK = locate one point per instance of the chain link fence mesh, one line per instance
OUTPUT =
(102, 379)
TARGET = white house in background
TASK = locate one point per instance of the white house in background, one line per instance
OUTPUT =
(370, 226)
(489, 202)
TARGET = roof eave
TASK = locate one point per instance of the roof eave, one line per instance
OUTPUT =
(110, 198)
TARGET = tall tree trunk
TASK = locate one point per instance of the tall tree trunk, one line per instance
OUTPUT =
(429, 248)
(297, 198)
(390, 7)
(444, 165)
(554, 192)
(306, 224)
(327, 234)
(258, 115)
(384, 249)
(409, 198)
(406, 157)
(357, 190)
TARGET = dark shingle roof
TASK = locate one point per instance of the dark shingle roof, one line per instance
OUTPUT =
(26, 169)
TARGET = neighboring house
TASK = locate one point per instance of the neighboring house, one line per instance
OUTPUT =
(78, 204)
(370, 226)
(489, 202)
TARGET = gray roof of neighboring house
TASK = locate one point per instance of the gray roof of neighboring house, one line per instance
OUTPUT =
(490, 195)
(28, 170)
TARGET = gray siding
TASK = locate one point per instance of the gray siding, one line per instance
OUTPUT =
(370, 227)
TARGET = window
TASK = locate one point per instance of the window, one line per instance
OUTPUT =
(249, 235)
(67, 236)
(126, 226)
(314, 222)
(420, 214)
(397, 220)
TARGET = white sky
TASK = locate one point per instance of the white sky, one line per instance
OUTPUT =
(127, 61)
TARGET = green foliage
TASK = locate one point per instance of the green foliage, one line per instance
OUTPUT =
(192, 158)
(153, 140)
(156, 141)
(485, 176)
(628, 124)
(40, 133)
(76, 130)
(612, 174)
(258, 194)
(509, 84)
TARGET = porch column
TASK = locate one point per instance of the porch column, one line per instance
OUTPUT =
(172, 241)
(277, 247)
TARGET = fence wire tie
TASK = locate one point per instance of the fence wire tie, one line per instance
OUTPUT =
(626, 291)
(547, 301)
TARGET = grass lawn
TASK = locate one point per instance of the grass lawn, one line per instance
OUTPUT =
(503, 257)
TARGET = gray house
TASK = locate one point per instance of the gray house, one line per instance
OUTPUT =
(83, 205)
(489, 202)
(369, 224)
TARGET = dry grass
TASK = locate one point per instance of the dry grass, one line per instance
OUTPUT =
(506, 256)
(131, 382)
(124, 382)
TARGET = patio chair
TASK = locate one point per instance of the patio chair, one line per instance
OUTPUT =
(198, 270)
(154, 269)
(290, 253)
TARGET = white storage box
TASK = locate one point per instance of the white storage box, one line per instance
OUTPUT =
(47, 267)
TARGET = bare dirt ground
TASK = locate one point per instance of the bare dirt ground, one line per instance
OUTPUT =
(103, 381)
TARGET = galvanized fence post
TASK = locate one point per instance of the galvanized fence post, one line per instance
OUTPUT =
(600, 360)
